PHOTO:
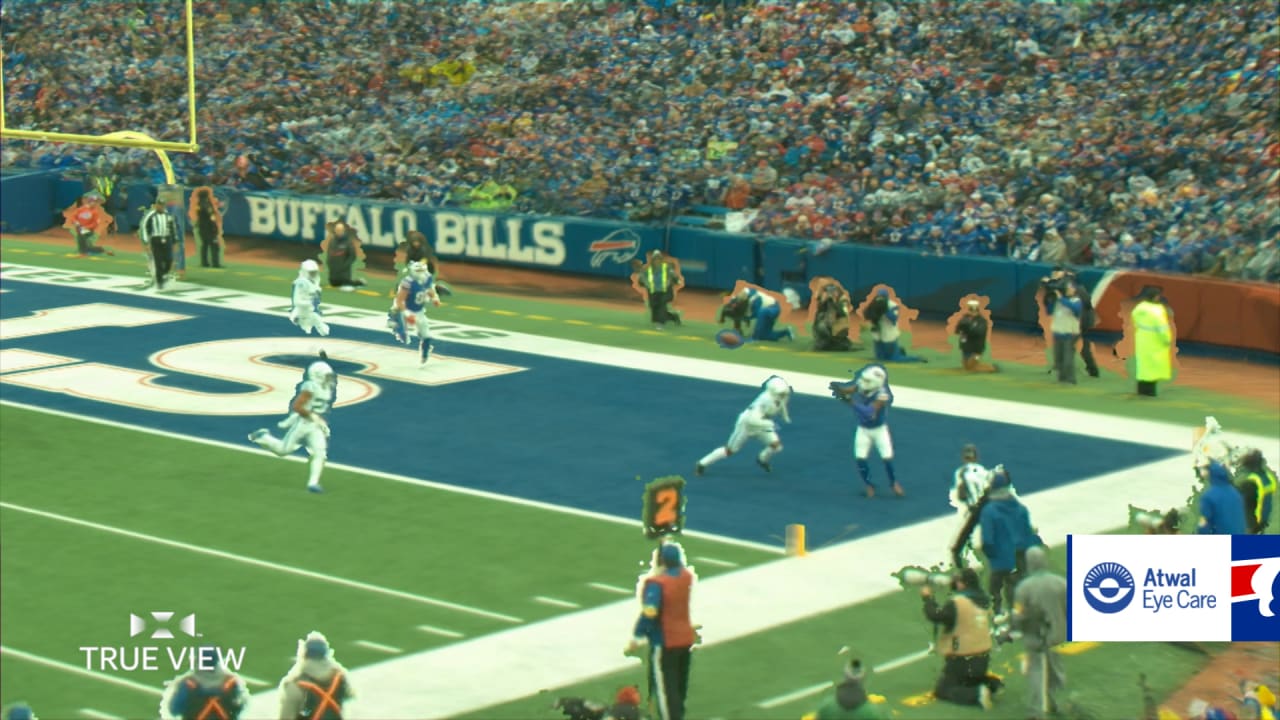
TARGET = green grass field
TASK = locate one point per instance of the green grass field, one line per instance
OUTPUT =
(116, 531)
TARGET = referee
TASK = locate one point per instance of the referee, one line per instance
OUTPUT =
(159, 233)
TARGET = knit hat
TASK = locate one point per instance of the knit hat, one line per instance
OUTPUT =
(629, 695)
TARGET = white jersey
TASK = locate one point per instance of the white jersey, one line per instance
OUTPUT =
(306, 295)
(322, 397)
(974, 479)
(765, 407)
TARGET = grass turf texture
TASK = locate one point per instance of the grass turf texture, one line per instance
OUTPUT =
(727, 681)
(64, 569)
(73, 586)
(1112, 394)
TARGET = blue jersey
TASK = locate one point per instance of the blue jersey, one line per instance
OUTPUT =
(869, 416)
(420, 294)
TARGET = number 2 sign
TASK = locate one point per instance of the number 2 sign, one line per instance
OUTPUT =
(664, 504)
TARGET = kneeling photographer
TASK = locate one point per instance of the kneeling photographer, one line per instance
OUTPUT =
(831, 320)
(964, 641)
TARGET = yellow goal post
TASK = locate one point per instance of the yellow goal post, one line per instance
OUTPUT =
(125, 138)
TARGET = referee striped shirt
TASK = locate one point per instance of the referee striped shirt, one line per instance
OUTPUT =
(158, 225)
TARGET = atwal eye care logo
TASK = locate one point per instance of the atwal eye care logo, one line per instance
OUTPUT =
(173, 657)
(1161, 588)
(1108, 587)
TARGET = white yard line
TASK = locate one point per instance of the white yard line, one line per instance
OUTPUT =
(98, 714)
(433, 630)
(714, 561)
(77, 670)
(556, 602)
(266, 564)
(816, 688)
(605, 587)
(251, 680)
(379, 647)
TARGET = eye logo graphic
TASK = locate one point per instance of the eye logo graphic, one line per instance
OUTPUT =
(1108, 587)
(138, 625)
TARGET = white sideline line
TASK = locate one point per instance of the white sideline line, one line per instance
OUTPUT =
(251, 680)
(714, 561)
(98, 714)
(611, 588)
(556, 602)
(245, 560)
(802, 693)
(388, 649)
(440, 631)
(417, 482)
(77, 670)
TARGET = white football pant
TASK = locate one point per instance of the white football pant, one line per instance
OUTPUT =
(309, 320)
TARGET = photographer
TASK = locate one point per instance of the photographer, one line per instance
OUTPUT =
(1088, 318)
(965, 641)
(972, 330)
(831, 320)
(1064, 309)
(850, 700)
(1040, 614)
(626, 706)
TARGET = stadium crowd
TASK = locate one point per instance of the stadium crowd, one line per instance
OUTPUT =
(1129, 134)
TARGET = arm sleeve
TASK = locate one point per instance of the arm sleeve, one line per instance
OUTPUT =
(944, 614)
(1206, 516)
(987, 528)
(651, 605)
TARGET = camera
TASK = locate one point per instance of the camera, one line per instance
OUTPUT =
(576, 708)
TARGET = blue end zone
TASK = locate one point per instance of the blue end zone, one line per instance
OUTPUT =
(579, 434)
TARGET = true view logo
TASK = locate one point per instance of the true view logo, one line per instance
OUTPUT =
(170, 657)
(138, 625)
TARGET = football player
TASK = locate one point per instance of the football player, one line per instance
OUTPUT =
(307, 425)
(305, 311)
(756, 422)
(967, 488)
(870, 396)
(409, 312)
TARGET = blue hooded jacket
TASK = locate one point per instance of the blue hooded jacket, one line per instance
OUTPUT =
(1221, 505)
(1006, 530)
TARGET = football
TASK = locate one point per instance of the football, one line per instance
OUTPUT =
(730, 339)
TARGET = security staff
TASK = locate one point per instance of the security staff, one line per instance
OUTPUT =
(159, 233)
(666, 627)
(210, 692)
(660, 279)
(1040, 614)
(1152, 341)
(965, 641)
(1258, 488)
(316, 688)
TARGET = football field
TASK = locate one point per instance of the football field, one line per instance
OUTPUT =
(480, 537)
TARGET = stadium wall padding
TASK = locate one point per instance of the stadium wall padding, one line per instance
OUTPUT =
(27, 201)
(1217, 312)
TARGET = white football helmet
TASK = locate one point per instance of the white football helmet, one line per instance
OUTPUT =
(872, 379)
(310, 269)
(322, 373)
(777, 387)
(418, 271)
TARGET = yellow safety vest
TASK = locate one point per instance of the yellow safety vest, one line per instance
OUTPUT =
(649, 278)
(1266, 482)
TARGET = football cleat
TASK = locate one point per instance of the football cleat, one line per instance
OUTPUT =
(897, 490)
(764, 464)
(699, 469)
(315, 489)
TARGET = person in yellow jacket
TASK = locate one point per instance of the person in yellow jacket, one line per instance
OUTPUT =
(1257, 484)
(1152, 341)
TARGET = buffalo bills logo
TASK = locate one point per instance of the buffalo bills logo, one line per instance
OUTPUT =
(620, 246)
(1255, 572)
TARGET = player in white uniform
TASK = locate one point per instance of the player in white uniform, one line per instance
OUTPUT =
(305, 311)
(307, 425)
(756, 422)
(967, 488)
(408, 316)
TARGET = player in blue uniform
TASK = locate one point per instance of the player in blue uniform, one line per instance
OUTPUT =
(408, 316)
(870, 396)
